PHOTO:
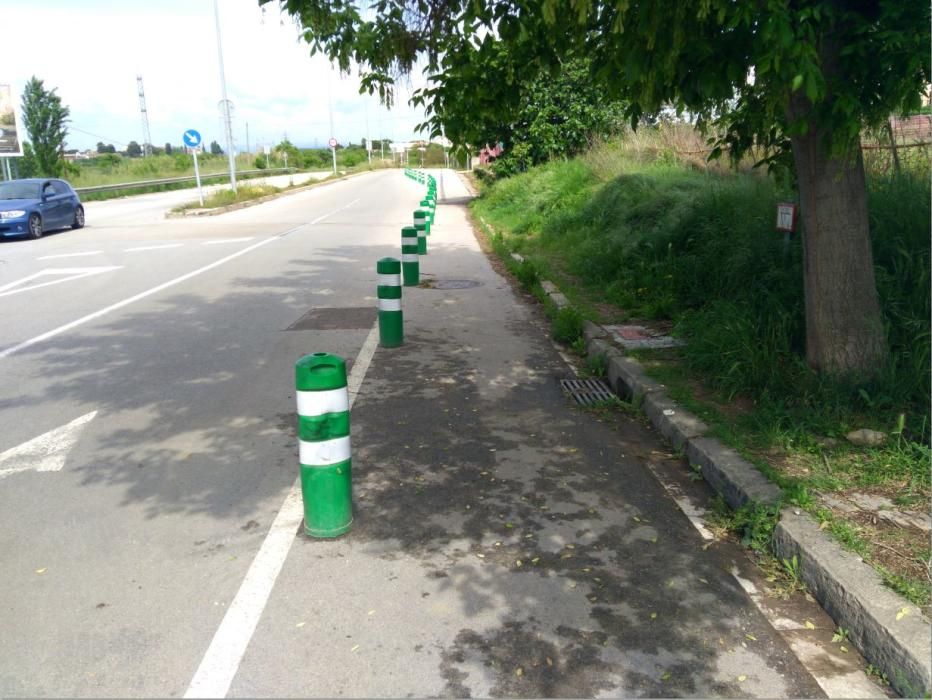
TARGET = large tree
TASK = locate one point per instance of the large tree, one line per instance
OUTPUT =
(800, 78)
(46, 122)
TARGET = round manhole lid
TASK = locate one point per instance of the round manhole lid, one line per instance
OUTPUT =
(454, 284)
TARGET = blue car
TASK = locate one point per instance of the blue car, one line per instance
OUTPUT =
(31, 207)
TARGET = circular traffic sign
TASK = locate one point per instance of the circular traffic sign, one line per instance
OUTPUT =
(191, 138)
(332, 142)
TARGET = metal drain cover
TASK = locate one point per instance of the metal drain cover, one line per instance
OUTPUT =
(587, 392)
(330, 319)
(454, 284)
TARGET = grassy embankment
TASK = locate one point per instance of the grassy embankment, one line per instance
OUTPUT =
(634, 234)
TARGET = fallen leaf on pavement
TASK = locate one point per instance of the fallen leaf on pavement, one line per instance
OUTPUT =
(300, 624)
(44, 569)
(899, 616)
(742, 678)
(809, 625)
(355, 648)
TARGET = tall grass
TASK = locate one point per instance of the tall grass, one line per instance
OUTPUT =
(663, 239)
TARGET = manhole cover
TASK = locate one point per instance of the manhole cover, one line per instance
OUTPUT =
(334, 318)
(453, 284)
(641, 338)
(587, 392)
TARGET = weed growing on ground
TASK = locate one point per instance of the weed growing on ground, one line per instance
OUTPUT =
(568, 325)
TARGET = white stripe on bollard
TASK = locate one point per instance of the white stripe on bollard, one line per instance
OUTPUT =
(389, 280)
(409, 257)
(324, 453)
(389, 304)
(317, 403)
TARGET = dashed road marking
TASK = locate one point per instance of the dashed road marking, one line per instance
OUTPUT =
(153, 247)
(227, 240)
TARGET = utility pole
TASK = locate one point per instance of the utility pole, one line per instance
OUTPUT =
(333, 149)
(247, 138)
(144, 114)
(228, 126)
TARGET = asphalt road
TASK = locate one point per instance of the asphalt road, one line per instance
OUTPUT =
(155, 357)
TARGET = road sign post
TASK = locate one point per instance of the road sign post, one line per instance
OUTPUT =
(333, 152)
(192, 139)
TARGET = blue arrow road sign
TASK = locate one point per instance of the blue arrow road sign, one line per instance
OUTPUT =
(191, 138)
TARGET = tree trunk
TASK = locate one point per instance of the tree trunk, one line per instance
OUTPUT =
(844, 328)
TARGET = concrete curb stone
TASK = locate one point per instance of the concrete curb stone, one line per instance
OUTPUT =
(673, 422)
(854, 595)
(739, 482)
(628, 378)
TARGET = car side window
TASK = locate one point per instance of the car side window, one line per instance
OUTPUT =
(48, 189)
(60, 187)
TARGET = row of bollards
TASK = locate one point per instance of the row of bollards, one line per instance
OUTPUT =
(321, 389)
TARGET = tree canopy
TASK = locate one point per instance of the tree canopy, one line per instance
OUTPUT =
(763, 70)
(46, 122)
(800, 79)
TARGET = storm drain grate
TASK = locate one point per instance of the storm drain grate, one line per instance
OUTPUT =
(587, 392)
(450, 284)
(333, 319)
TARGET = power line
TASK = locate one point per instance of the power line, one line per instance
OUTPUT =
(72, 127)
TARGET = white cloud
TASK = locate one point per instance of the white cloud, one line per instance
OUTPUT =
(92, 51)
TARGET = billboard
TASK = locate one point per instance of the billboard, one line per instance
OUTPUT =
(10, 144)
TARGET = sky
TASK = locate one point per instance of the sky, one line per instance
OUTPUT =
(92, 50)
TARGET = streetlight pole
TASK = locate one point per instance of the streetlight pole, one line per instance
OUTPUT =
(228, 126)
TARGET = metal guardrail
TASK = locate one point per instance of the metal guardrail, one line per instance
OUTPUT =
(178, 180)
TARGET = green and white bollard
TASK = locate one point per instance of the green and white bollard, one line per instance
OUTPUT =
(421, 238)
(428, 210)
(420, 217)
(410, 263)
(324, 444)
(391, 322)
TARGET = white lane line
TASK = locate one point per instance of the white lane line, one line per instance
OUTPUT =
(70, 255)
(227, 240)
(221, 662)
(335, 211)
(64, 274)
(153, 247)
(155, 290)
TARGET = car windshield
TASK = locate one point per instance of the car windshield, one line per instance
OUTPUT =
(19, 190)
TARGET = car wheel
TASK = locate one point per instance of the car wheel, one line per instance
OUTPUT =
(78, 218)
(35, 226)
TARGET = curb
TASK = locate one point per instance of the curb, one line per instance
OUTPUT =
(849, 590)
(185, 213)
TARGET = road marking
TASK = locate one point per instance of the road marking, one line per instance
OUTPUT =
(153, 247)
(221, 662)
(335, 211)
(165, 285)
(835, 682)
(46, 453)
(65, 274)
(227, 240)
(70, 255)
